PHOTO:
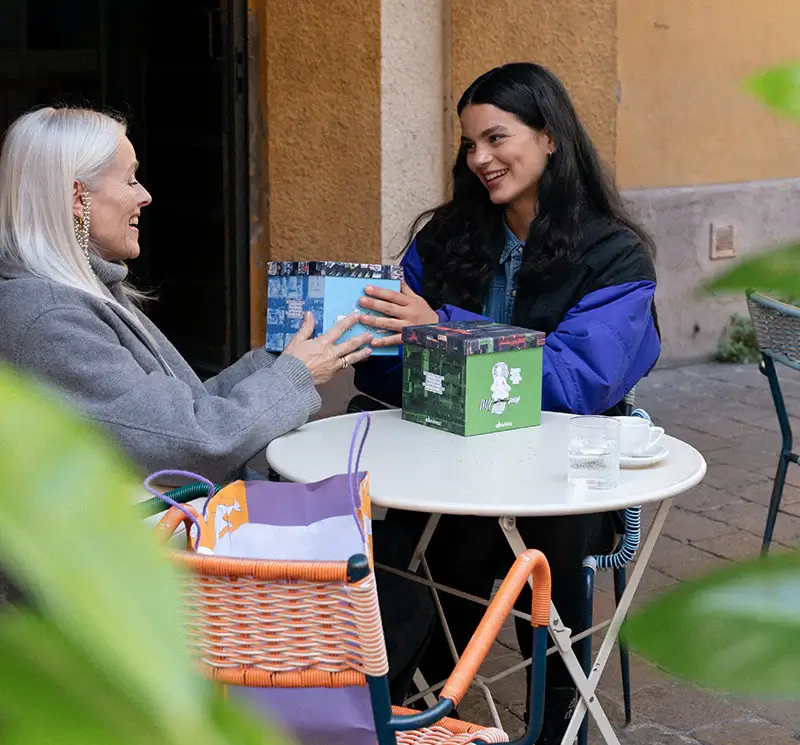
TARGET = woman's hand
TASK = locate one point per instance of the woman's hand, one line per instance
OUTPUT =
(323, 356)
(404, 308)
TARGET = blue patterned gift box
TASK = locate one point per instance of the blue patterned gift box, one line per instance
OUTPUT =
(329, 289)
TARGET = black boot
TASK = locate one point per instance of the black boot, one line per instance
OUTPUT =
(559, 703)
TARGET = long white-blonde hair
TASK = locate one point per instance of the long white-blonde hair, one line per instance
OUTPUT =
(44, 153)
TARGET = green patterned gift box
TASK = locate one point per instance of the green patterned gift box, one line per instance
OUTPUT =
(472, 377)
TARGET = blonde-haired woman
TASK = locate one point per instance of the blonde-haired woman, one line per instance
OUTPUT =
(69, 209)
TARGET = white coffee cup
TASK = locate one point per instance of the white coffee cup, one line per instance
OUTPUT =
(637, 436)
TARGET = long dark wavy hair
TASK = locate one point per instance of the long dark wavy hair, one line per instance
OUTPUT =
(461, 237)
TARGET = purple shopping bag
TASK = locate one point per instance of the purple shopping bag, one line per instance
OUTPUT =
(324, 521)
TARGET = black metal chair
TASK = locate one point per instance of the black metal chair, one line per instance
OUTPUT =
(629, 529)
(777, 328)
(362, 402)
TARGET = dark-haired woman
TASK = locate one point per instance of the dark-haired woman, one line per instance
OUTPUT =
(535, 235)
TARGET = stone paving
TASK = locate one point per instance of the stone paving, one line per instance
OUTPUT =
(725, 412)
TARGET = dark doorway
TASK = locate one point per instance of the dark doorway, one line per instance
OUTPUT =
(177, 71)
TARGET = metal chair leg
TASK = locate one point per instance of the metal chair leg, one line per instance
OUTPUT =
(624, 552)
(775, 502)
(786, 450)
(620, 580)
(586, 644)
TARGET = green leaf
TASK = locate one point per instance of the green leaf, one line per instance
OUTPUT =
(779, 88)
(104, 657)
(775, 271)
(70, 534)
(50, 691)
(737, 630)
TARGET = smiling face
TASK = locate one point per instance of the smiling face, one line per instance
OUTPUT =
(116, 204)
(504, 153)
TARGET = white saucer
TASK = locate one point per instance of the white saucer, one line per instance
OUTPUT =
(643, 461)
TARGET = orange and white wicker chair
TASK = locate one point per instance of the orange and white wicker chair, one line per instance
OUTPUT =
(301, 624)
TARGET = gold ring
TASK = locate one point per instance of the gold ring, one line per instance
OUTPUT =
(345, 363)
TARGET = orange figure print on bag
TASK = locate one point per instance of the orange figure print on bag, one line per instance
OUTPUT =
(227, 512)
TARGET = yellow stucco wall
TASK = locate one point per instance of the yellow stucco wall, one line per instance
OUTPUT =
(323, 123)
(315, 136)
(683, 117)
(576, 39)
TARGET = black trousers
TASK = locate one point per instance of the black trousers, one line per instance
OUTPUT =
(469, 553)
(408, 614)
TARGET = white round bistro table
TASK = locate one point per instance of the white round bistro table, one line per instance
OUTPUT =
(522, 473)
(519, 473)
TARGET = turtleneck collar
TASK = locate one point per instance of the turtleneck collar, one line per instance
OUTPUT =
(108, 272)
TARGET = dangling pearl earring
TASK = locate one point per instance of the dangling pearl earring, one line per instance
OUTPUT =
(81, 225)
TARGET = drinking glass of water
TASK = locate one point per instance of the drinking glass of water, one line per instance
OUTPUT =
(594, 452)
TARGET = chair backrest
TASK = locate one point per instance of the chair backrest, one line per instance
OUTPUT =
(297, 624)
(777, 327)
(630, 401)
(362, 402)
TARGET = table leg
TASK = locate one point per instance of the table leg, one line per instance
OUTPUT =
(422, 684)
(561, 634)
(618, 618)
(419, 679)
(419, 558)
(422, 543)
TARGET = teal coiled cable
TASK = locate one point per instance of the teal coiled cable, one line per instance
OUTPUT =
(182, 494)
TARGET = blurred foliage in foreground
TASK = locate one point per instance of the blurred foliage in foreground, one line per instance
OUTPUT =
(97, 654)
(738, 630)
(777, 271)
